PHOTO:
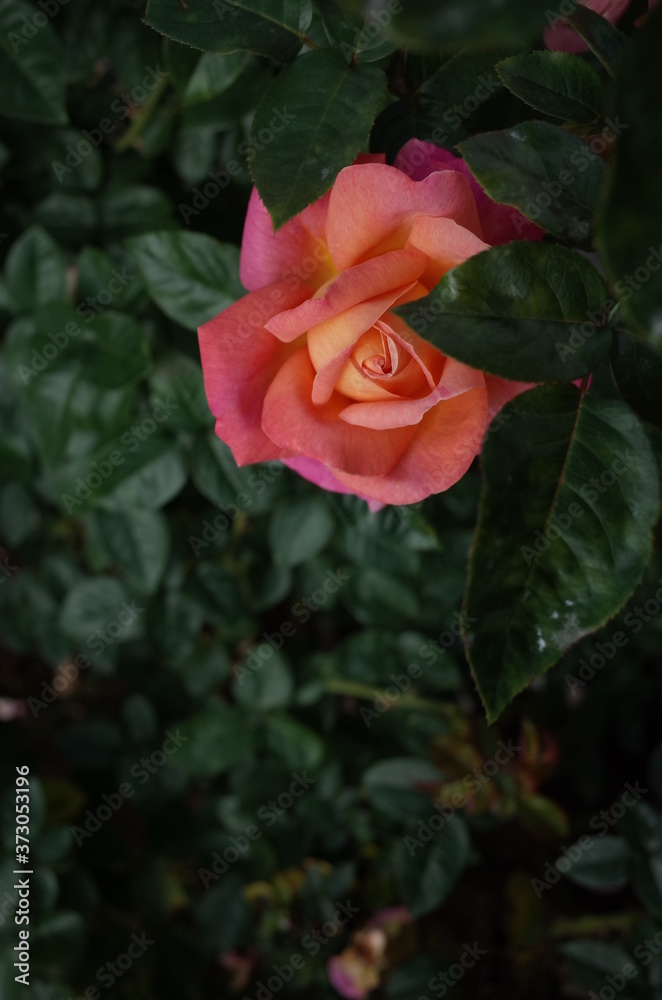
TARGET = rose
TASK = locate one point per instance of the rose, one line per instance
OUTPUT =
(313, 367)
(358, 969)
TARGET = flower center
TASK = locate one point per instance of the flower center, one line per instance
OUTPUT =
(376, 365)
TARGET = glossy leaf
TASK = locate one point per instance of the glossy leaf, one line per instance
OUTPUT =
(191, 277)
(117, 351)
(525, 311)
(600, 863)
(36, 271)
(428, 866)
(138, 542)
(272, 28)
(32, 77)
(299, 529)
(313, 121)
(551, 176)
(557, 83)
(360, 38)
(585, 483)
(603, 38)
(94, 604)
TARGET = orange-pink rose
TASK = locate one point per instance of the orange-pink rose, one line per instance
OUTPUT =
(314, 368)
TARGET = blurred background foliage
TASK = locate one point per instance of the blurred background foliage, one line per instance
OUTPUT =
(265, 630)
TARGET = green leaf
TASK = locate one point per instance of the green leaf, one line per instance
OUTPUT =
(428, 864)
(117, 351)
(516, 311)
(272, 28)
(601, 863)
(570, 497)
(292, 742)
(47, 402)
(637, 370)
(428, 24)
(215, 740)
(99, 275)
(552, 177)
(299, 529)
(19, 516)
(191, 277)
(360, 38)
(32, 75)
(628, 226)
(214, 74)
(71, 217)
(597, 955)
(85, 31)
(211, 470)
(36, 270)
(160, 477)
(317, 115)
(556, 83)
(135, 469)
(266, 689)
(139, 543)
(401, 786)
(95, 603)
(442, 102)
(178, 376)
(134, 209)
(605, 41)
(467, 79)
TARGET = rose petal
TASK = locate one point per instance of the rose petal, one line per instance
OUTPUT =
(372, 208)
(456, 379)
(440, 452)
(239, 361)
(297, 253)
(366, 281)
(500, 223)
(296, 424)
(444, 243)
